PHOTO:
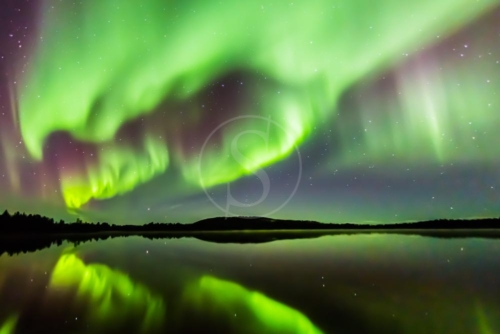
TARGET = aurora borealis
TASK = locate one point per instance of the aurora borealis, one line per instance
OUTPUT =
(112, 295)
(159, 110)
(344, 283)
(267, 315)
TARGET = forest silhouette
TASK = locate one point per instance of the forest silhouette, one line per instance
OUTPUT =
(20, 233)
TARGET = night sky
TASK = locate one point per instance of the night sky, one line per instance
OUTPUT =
(178, 110)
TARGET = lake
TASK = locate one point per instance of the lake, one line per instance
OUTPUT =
(358, 283)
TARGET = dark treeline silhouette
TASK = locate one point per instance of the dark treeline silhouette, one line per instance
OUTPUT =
(21, 233)
(23, 224)
(28, 244)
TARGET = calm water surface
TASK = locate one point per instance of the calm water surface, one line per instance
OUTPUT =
(365, 283)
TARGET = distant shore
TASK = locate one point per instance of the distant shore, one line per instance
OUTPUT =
(26, 243)
(21, 233)
(23, 225)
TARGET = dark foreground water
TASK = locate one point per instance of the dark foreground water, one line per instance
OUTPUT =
(365, 283)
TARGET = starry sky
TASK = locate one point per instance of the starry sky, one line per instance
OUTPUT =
(172, 111)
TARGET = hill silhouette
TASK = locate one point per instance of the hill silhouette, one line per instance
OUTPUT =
(21, 232)
(26, 224)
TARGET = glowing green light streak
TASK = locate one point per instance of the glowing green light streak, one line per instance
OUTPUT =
(484, 326)
(120, 169)
(100, 64)
(112, 295)
(442, 113)
(9, 325)
(273, 316)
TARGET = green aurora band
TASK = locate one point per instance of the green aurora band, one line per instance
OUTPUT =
(110, 62)
(443, 111)
(483, 327)
(119, 170)
(268, 315)
(112, 295)
(9, 325)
